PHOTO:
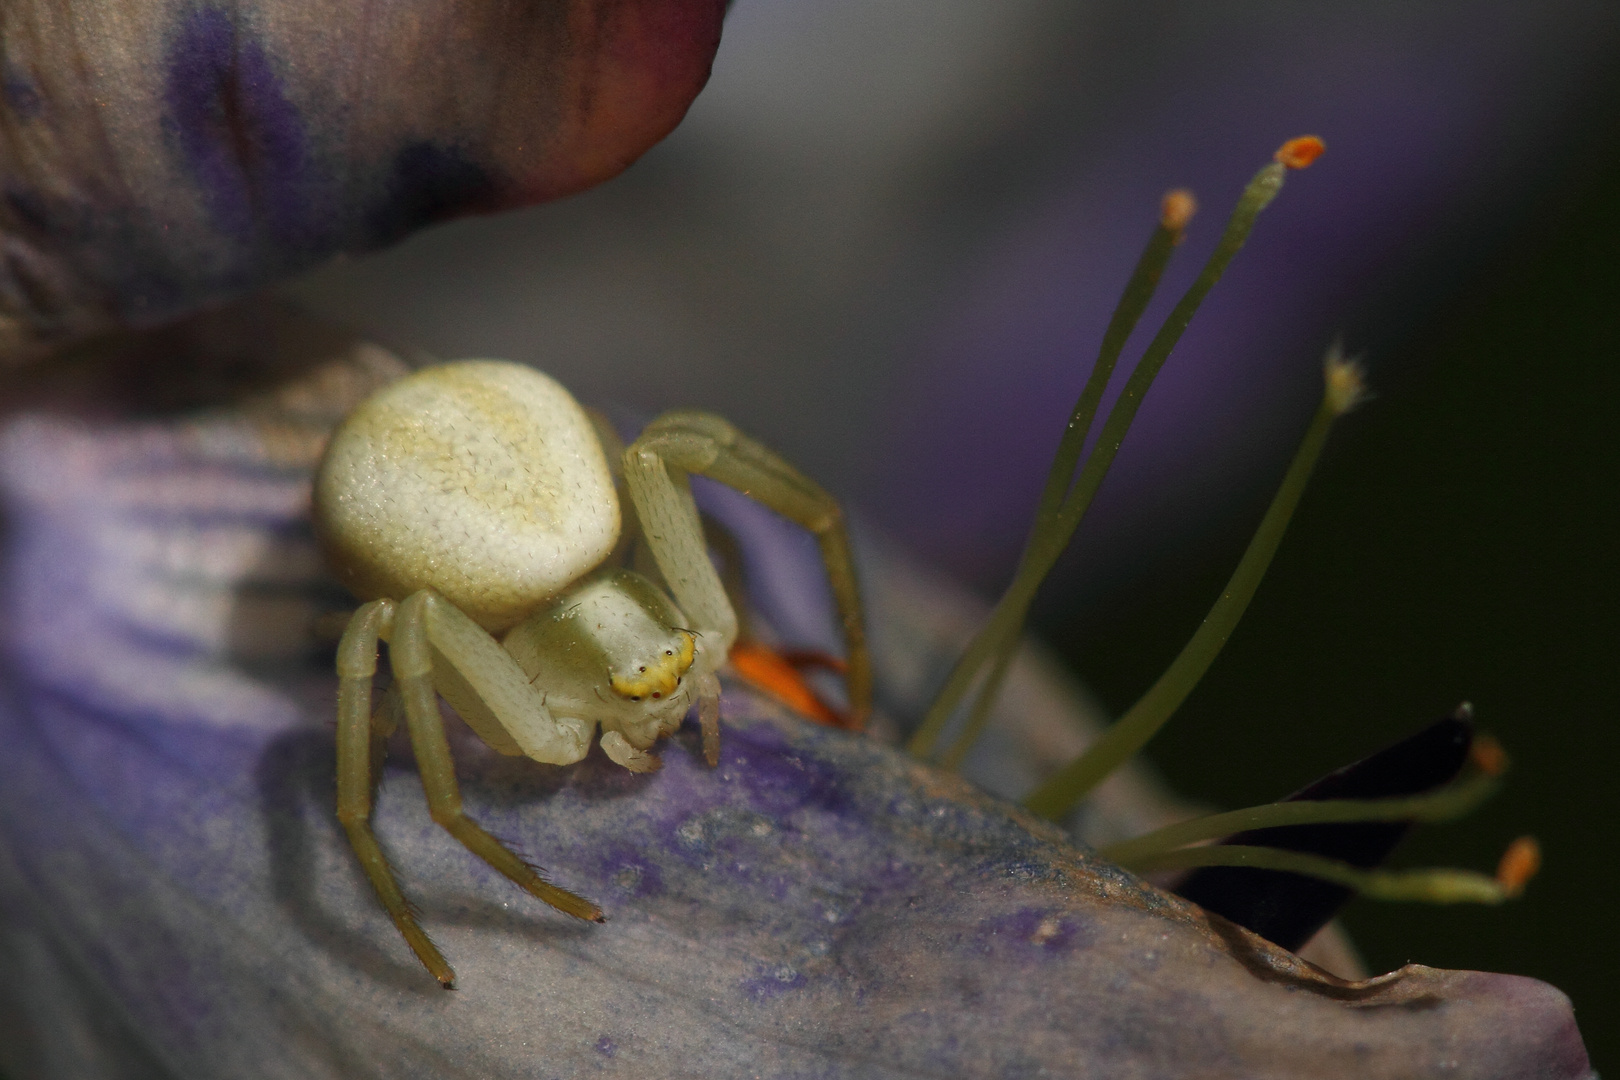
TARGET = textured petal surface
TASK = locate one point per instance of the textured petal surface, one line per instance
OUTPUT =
(157, 155)
(178, 899)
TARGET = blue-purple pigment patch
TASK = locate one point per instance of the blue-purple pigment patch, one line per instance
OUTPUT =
(781, 777)
(241, 136)
(21, 96)
(1040, 929)
(630, 872)
(769, 981)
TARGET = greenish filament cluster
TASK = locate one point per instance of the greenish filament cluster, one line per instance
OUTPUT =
(1143, 720)
(1447, 803)
(1434, 886)
(1070, 487)
(1169, 848)
(1066, 497)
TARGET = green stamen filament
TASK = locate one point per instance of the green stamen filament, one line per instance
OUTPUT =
(1174, 214)
(1445, 804)
(1127, 736)
(1439, 886)
(1054, 527)
(1139, 290)
(978, 717)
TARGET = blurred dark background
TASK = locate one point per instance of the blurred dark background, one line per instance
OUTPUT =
(887, 239)
(1459, 543)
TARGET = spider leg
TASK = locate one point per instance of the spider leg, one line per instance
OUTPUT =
(708, 690)
(413, 670)
(619, 751)
(356, 739)
(678, 443)
(490, 691)
(674, 534)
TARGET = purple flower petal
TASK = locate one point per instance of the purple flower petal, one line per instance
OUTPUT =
(178, 898)
(163, 155)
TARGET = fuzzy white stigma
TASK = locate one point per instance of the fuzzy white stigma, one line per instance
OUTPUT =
(1346, 380)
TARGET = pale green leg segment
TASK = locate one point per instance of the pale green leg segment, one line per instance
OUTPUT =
(709, 717)
(356, 664)
(504, 708)
(674, 533)
(413, 672)
(679, 443)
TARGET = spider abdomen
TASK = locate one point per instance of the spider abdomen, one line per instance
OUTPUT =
(481, 479)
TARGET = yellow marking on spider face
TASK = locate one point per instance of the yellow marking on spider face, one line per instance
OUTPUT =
(659, 676)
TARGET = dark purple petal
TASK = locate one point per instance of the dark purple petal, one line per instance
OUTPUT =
(1289, 908)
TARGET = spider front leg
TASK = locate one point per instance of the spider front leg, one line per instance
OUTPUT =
(426, 614)
(494, 691)
(656, 466)
(356, 664)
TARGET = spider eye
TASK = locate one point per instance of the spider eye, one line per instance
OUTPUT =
(642, 668)
(656, 695)
(669, 652)
(635, 697)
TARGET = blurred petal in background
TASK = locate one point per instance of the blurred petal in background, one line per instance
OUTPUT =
(160, 156)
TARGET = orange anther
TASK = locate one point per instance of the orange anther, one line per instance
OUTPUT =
(1177, 209)
(774, 677)
(1519, 864)
(1488, 756)
(1300, 152)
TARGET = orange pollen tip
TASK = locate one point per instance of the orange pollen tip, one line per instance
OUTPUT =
(1177, 209)
(1299, 153)
(1488, 756)
(1519, 864)
(774, 677)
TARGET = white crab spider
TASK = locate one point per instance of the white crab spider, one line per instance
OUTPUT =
(473, 506)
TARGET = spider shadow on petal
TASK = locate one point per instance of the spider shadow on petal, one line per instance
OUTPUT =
(315, 882)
